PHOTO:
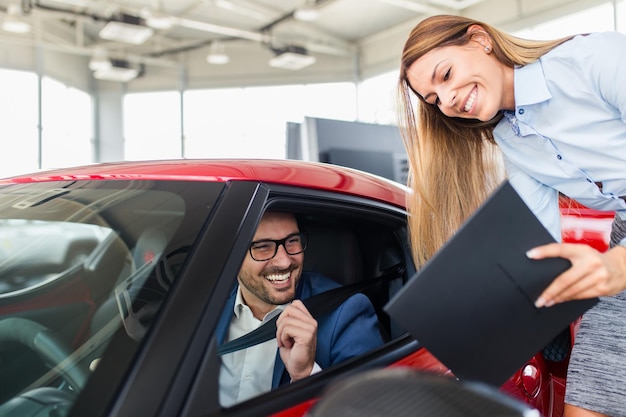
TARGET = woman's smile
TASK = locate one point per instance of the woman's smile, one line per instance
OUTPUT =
(471, 100)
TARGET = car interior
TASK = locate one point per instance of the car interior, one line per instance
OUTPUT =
(350, 251)
(65, 310)
(363, 247)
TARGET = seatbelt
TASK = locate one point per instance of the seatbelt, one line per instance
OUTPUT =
(318, 305)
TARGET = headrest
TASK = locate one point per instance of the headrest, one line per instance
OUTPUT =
(149, 247)
(333, 252)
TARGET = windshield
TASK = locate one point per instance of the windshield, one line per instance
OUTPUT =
(33, 252)
(80, 260)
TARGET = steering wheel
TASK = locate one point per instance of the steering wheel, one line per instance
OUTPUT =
(48, 346)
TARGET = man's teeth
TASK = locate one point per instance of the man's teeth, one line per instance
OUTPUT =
(278, 277)
(470, 101)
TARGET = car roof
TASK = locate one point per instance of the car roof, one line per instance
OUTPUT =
(314, 175)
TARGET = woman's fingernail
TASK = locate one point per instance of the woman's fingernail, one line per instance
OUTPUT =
(540, 302)
(531, 254)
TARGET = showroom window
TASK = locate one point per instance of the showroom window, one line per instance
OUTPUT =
(251, 122)
(67, 120)
(18, 132)
(596, 19)
(152, 125)
(233, 122)
(66, 124)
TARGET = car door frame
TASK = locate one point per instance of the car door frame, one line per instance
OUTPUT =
(156, 381)
(174, 371)
(203, 399)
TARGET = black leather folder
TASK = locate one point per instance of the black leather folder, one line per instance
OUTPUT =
(472, 305)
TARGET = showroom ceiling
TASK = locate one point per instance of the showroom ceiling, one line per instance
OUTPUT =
(268, 39)
(321, 26)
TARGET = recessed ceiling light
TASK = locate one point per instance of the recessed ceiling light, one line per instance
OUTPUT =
(100, 60)
(120, 71)
(217, 55)
(293, 58)
(129, 29)
(307, 13)
(14, 21)
(218, 59)
(157, 19)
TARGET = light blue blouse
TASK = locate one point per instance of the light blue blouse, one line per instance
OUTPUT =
(568, 132)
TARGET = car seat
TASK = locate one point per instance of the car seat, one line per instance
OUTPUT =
(333, 252)
(336, 253)
(146, 252)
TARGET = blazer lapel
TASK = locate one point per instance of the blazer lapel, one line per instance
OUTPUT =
(280, 373)
(281, 376)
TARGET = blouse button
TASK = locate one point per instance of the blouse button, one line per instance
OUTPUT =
(559, 157)
(521, 111)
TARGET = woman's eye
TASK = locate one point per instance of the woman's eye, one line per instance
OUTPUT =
(446, 76)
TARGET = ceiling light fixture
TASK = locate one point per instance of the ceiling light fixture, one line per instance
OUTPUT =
(156, 19)
(120, 71)
(308, 12)
(217, 54)
(14, 21)
(127, 28)
(100, 60)
(292, 58)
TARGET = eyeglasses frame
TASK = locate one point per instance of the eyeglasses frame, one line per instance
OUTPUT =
(278, 243)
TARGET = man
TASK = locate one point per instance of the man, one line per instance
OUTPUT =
(270, 282)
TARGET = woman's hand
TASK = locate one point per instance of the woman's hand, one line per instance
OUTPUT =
(592, 274)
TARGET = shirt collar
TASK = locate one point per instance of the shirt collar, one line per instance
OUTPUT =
(240, 305)
(530, 84)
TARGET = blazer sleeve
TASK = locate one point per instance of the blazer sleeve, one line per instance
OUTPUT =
(349, 331)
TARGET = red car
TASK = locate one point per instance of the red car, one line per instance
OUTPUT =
(126, 326)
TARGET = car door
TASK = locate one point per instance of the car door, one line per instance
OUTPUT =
(156, 378)
(379, 232)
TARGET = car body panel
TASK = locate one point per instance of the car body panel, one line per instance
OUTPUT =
(308, 175)
(168, 367)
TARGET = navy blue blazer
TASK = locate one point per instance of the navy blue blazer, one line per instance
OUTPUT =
(350, 330)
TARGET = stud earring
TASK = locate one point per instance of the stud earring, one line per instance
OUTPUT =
(487, 49)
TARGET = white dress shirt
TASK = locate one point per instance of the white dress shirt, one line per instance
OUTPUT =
(248, 372)
(568, 131)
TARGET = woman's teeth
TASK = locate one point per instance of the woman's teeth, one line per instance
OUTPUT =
(470, 101)
(278, 277)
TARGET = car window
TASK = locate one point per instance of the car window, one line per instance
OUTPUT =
(350, 250)
(79, 261)
(33, 252)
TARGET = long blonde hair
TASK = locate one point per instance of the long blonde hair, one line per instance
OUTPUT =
(454, 162)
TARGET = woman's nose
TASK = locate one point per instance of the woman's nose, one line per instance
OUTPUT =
(447, 98)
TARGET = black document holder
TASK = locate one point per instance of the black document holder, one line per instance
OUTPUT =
(472, 305)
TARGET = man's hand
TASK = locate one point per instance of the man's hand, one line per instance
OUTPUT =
(592, 274)
(296, 333)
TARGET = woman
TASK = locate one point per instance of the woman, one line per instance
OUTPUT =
(555, 113)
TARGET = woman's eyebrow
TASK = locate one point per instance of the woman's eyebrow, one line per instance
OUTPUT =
(432, 78)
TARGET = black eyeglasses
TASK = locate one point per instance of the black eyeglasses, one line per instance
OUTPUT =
(266, 249)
